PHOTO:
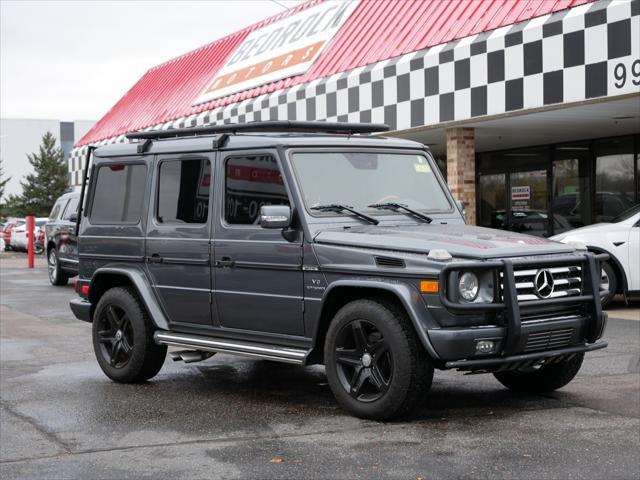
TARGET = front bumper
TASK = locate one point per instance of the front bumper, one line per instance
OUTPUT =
(529, 340)
(523, 360)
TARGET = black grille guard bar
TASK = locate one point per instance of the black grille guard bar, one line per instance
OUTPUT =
(590, 263)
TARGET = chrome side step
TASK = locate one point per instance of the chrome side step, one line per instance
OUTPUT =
(234, 347)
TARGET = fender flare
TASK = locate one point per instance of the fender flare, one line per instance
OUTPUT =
(614, 259)
(145, 291)
(408, 298)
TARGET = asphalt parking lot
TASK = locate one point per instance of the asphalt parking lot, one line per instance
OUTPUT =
(234, 418)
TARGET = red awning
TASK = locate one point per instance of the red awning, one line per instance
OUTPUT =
(376, 31)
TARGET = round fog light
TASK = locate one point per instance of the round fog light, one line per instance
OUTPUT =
(485, 346)
(468, 286)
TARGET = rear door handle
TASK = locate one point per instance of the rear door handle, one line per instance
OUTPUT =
(155, 258)
(225, 262)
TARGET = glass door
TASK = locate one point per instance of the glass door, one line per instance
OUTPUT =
(571, 205)
(493, 206)
(528, 205)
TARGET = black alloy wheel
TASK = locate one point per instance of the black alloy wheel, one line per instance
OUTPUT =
(365, 364)
(376, 366)
(115, 335)
(123, 337)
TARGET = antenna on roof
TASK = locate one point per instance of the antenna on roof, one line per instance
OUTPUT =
(265, 126)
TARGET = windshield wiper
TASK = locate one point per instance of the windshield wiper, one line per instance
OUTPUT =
(338, 207)
(400, 206)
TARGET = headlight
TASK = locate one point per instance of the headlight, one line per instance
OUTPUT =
(468, 286)
(473, 286)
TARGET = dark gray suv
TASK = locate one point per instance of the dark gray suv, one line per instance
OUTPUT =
(61, 242)
(316, 242)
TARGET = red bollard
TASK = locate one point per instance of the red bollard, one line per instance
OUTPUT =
(30, 238)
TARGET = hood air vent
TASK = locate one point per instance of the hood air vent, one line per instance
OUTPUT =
(389, 262)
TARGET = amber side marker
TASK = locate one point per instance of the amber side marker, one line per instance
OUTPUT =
(429, 286)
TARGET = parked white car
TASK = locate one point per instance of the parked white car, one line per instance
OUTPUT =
(620, 238)
(19, 237)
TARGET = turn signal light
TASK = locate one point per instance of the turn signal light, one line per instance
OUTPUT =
(429, 286)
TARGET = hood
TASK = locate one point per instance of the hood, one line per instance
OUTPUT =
(459, 240)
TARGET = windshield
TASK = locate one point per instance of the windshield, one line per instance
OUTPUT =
(361, 179)
(628, 213)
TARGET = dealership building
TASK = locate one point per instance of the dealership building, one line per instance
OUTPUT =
(531, 108)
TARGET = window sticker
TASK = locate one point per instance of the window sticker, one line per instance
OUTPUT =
(422, 167)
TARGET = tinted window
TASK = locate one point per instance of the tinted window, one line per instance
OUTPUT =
(72, 207)
(250, 183)
(118, 194)
(55, 211)
(183, 191)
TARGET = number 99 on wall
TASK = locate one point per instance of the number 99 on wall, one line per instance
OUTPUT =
(624, 73)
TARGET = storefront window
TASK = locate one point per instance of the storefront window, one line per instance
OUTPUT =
(591, 181)
(516, 199)
(615, 183)
(571, 205)
(492, 201)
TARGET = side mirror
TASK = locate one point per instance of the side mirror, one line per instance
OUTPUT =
(275, 216)
(73, 218)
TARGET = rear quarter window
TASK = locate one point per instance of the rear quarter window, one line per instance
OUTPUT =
(55, 211)
(71, 207)
(118, 194)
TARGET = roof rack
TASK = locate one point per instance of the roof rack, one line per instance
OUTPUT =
(265, 126)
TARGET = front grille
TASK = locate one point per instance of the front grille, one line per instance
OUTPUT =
(548, 339)
(536, 314)
(567, 281)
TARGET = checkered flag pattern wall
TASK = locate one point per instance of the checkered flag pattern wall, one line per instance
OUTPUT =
(582, 53)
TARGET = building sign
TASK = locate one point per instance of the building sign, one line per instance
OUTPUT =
(279, 50)
(520, 193)
(520, 196)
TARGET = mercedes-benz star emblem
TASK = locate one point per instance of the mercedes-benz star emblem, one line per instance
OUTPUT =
(543, 283)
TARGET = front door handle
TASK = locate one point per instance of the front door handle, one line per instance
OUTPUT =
(225, 262)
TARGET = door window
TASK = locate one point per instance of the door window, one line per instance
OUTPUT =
(183, 191)
(251, 182)
(119, 193)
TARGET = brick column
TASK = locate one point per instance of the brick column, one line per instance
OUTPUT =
(461, 168)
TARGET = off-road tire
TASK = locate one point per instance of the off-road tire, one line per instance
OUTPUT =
(57, 276)
(411, 371)
(146, 358)
(545, 379)
(613, 283)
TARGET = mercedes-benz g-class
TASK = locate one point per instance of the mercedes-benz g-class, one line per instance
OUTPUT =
(319, 243)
